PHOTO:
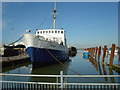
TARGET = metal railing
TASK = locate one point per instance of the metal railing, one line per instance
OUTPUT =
(54, 86)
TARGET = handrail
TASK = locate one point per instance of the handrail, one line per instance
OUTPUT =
(2, 74)
(63, 83)
(29, 75)
(60, 84)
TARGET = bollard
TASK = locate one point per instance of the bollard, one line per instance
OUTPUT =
(104, 53)
(112, 55)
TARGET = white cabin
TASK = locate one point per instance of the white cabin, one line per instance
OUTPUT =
(55, 35)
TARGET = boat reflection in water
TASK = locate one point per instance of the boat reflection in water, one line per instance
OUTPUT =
(72, 53)
(53, 69)
(86, 57)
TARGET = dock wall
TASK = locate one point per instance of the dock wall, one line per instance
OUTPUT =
(14, 60)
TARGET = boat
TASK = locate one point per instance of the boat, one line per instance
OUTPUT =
(115, 52)
(72, 51)
(47, 45)
(86, 53)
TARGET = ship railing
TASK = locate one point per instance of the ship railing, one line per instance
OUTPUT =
(58, 85)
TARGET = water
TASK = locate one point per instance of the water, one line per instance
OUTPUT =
(77, 65)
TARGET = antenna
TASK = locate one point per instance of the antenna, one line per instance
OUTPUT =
(54, 16)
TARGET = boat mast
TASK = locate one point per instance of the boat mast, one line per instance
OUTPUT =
(54, 16)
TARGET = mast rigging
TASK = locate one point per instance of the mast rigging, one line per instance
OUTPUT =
(54, 14)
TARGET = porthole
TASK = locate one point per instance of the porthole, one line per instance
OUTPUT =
(37, 32)
(61, 31)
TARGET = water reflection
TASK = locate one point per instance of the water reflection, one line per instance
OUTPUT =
(86, 57)
(49, 70)
(104, 71)
(78, 64)
(73, 53)
(119, 58)
(13, 67)
(99, 66)
(111, 73)
(94, 62)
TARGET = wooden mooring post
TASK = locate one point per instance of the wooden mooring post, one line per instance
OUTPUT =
(118, 54)
(104, 53)
(112, 55)
(91, 52)
(99, 52)
(96, 51)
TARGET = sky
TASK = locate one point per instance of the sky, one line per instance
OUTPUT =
(87, 24)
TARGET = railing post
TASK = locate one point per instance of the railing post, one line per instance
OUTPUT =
(61, 79)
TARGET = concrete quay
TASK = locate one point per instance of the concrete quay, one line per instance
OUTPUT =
(13, 60)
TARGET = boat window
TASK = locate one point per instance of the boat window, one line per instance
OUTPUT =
(61, 31)
(46, 31)
(37, 32)
(52, 31)
(58, 31)
(43, 31)
(55, 31)
(49, 31)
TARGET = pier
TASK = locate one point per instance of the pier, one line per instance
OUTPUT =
(14, 60)
(95, 53)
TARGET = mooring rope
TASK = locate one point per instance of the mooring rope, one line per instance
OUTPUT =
(16, 40)
(59, 61)
(72, 69)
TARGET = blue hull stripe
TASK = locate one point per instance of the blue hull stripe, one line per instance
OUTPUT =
(42, 55)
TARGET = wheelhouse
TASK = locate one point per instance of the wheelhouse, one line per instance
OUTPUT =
(56, 35)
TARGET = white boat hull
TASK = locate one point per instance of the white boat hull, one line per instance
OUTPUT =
(44, 51)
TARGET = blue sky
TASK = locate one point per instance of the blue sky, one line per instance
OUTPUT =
(87, 24)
